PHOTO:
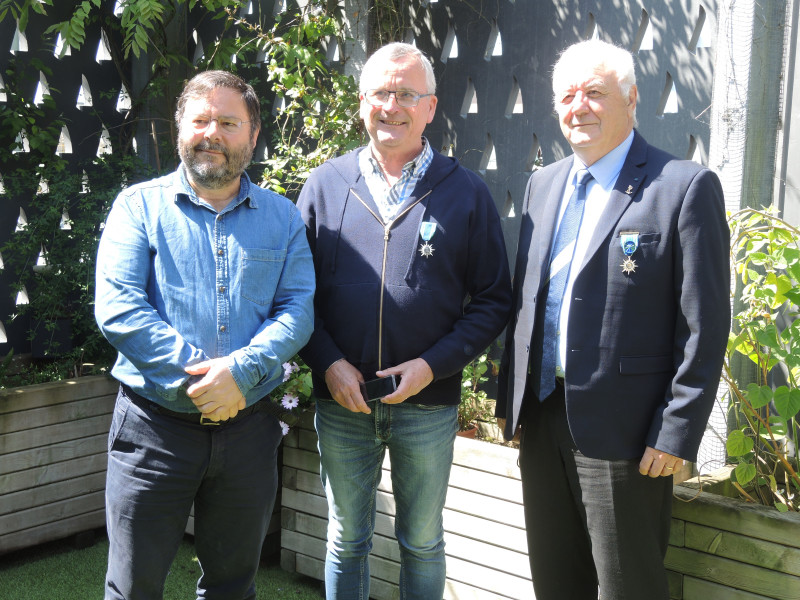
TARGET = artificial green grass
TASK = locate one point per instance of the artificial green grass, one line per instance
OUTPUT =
(58, 571)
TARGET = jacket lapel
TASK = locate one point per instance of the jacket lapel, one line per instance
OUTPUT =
(549, 217)
(630, 179)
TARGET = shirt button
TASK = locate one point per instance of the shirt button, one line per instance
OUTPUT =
(222, 328)
(222, 289)
(219, 252)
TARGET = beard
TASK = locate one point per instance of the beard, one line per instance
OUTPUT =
(208, 174)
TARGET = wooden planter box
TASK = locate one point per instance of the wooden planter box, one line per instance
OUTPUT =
(726, 549)
(53, 440)
(484, 525)
(53, 457)
(720, 548)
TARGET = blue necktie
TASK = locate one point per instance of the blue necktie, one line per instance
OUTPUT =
(558, 272)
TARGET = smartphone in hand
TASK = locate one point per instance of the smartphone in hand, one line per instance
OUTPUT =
(375, 389)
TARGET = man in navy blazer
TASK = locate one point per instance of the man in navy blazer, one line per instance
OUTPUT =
(637, 338)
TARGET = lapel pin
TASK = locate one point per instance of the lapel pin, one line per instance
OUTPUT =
(629, 191)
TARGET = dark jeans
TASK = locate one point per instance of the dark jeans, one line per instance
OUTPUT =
(591, 524)
(158, 466)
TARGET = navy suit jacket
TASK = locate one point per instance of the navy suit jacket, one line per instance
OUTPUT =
(644, 349)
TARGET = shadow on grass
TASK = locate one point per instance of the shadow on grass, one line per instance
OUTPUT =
(61, 571)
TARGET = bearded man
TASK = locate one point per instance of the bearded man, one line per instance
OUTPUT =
(205, 286)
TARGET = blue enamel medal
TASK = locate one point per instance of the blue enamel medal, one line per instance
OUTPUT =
(426, 231)
(629, 240)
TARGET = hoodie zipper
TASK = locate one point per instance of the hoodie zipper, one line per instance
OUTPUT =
(386, 228)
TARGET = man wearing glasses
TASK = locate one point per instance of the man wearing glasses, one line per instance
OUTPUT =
(412, 284)
(205, 286)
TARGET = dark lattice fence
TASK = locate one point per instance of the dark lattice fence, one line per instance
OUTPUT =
(86, 87)
(92, 89)
(492, 60)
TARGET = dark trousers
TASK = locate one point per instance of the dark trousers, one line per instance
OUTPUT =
(592, 525)
(158, 466)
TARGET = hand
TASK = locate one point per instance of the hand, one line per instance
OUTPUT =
(414, 375)
(655, 463)
(216, 395)
(343, 381)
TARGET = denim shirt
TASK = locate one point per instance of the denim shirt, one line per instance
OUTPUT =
(179, 283)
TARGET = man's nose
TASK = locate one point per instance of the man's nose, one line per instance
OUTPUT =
(579, 102)
(212, 130)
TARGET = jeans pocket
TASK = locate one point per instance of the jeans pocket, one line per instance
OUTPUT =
(118, 418)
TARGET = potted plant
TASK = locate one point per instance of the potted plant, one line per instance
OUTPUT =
(475, 405)
(762, 364)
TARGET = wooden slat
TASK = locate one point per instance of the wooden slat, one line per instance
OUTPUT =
(700, 589)
(45, 474)
(677, 533)
(63, 414)
(734, 574)
(47, 394)
(42, 495)
(756, 521)
(484, 456)
(52, 513)
(57, 453)
(675, 584)
(743, 549)
(499, 534)
(477, 504)
(52, 531)
(303, 460)
(53, 434)
(490, 484)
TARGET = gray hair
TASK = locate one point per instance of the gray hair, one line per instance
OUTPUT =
(393, 52)
(601, 54)
(204, 83)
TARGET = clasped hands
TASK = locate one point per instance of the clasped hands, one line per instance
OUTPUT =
(216, 394)
(343, 381)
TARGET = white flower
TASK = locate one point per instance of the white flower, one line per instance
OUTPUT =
(289, 401)
(288, 369)
(284, 427)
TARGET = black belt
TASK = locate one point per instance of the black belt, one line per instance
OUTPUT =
(196, 418)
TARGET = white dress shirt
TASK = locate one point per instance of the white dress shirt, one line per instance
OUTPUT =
(598, 192)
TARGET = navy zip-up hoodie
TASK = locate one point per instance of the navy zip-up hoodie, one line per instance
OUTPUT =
(379, 301)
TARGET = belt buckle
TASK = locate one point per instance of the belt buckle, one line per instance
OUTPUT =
(206, 421)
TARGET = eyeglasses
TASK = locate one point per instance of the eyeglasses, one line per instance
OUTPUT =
(200, 123)
(404, 98)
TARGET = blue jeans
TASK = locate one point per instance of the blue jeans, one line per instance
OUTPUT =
(352, 445)
(158, 466)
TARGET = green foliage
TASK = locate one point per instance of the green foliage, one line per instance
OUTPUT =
(475, 404)
(53, 256)
(21, 122)
(20, 9)
(765, 255)
(318, 117)
(294, 394)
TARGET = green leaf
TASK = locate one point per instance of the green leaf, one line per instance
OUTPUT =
(787, 402)
(768, 336)
(781, 507)
(738, 443)
(745, 473)
(758, 395)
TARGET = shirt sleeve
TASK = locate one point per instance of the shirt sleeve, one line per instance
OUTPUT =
(291, 321)
(123, 310)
